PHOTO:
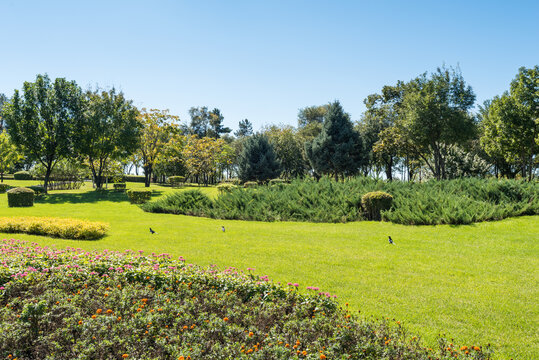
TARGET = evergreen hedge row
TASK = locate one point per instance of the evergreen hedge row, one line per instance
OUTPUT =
(22, 175)
(461, 201)
(139, 196)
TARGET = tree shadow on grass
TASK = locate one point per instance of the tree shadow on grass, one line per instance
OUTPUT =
(88, 197)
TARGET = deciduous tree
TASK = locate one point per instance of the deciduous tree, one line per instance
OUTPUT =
(9, 154)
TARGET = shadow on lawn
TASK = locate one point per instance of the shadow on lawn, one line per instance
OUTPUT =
(88, 197)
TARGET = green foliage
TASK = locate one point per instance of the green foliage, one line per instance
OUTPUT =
(22, 175)
(114, 305)
(245, 128)
(191, 202)
(288, 148)
(20, 197)
(225, 187)
(119, 186)
(139, 196)
(258, 161)
(375, 202)
(176, 181)
(337, 150)
(4, 188)
(9, 154)
(250, 184)
(38, 189)
(64, 228)
(278, 182)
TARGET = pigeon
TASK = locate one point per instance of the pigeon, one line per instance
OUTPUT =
(391, 241)
(152, 232)
(222, 228)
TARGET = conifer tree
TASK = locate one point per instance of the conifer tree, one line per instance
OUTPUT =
(337, 149)
(258, 160)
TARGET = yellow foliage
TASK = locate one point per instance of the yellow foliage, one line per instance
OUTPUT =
(65, 228)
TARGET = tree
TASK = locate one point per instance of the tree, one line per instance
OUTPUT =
(511, 123)
(109, 130)
(312, 114)
(158, 128)
(245, 128)
(258, 161)
(216, 128)
(3, 100)
(200, 121)
(9, 155)
(435, 116)
(288, 148)
(337, 150)
(41, 121)
(202, 156)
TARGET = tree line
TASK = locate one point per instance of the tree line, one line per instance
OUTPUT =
(420, 129)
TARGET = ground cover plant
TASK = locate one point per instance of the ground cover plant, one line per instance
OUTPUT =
(65, 228)
(73, 304)
(461, 201)
(471, 283)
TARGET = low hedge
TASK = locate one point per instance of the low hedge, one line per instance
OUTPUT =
(133, 178)
(119, 186)
(225, 187)
(176, 181)
(22, 175)
(38, 189)
(375, 202)
(250, 184)
(139, 196)
(20, 197)
(64, 228)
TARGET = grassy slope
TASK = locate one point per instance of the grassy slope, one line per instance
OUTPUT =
(476, 283)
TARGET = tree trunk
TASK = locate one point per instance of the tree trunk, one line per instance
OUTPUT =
(47, 175)
(147, 175)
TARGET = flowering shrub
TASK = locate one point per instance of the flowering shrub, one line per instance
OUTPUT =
(72, 304)
(58, 227)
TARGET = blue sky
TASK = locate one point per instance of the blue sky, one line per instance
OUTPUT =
(263, 60)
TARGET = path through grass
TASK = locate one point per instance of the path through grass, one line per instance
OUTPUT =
(477, 283)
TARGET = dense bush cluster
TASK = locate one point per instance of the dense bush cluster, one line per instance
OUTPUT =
(71, 304)
(462, 201)
(20, 197)
(192, 202)
(57, 227)
(119, 186)
(22, 175)
(139, 196)
(375, 202)
(176, 181)
(4, 188)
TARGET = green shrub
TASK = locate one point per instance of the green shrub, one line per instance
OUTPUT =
(4, 188)
(38, 189)
(22, 175)
(119, 186)
(234, 181)
(133, 178)
(225, 187)
(20, 197)
(191, 202)
(56, 227)
(375, 202)
(250, 184)
(176, 181)
(139, 196)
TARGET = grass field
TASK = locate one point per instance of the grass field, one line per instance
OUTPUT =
(476, 283)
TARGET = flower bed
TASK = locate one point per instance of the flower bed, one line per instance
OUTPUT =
(88, 305)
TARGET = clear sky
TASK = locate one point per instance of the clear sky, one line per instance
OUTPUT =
(263, 60)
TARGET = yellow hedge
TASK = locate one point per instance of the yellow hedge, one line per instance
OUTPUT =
(65, 228)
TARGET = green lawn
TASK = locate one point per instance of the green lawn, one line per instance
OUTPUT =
(477, 284)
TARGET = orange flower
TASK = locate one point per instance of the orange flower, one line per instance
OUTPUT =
(139, 310)
(477, 348)
(99, 311)
(251, 333)
(463, 348)
(125, 356)
(322, 356)
(287, 345)
(119, 318)
(225, 319)
(181, 358)
(109, 311)
(93, 316)
(80, 322)
(304, 353)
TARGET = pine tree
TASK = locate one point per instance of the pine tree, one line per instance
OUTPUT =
(337, 150)
(258, 161)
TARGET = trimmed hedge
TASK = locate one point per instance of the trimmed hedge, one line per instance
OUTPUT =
(234, 181)
(22, 175)
(225, 187)
(38, 189)
(20, 197)
(56, 227)
(176, 181)
(133, 178)
(119, 186)
(139, 196)
(250, 184)
(375, 202)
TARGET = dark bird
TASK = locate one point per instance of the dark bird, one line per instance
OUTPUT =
(152, 232)
(391, 241)
(222, 228)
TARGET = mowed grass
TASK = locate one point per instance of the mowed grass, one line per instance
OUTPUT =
(477, 284)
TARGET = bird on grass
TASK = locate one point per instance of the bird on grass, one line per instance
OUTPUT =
(152, 232)
(222, 228)
(391, 241)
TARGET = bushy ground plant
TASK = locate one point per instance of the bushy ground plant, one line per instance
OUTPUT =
(22, 175)
(20, 197)
(139, 196)
(56, 227)
(71, 304)
(462, 201)
(191, 202)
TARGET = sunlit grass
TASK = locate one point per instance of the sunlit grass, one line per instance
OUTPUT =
(476, 283)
